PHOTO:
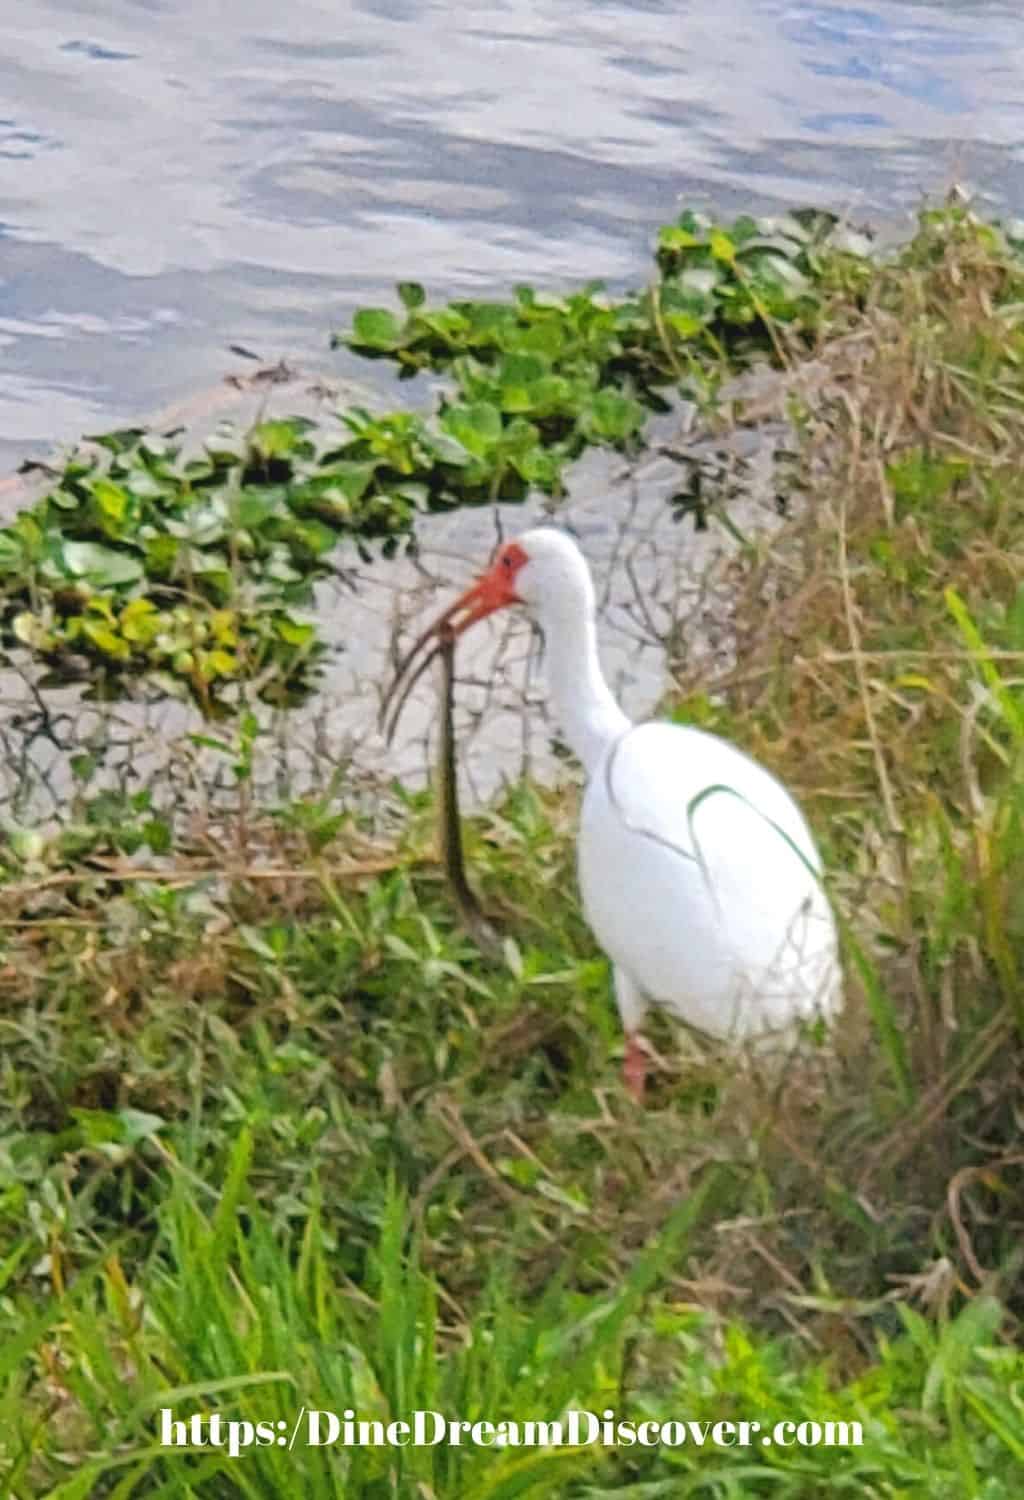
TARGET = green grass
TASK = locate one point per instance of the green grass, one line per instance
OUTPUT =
(229, 1319)
(274, 1135)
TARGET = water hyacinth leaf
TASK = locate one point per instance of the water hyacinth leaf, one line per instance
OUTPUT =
(782, 271)
(204, 523)
(615, 417)
(140, 622)
(449, 323)
(412, 294)
(414, 494)
(116, 442)
(148, 486)
(161, 554)
(314, 536)
(294, 632)
(254, 507)
(218, 583)
(449, 449)
(99, 604)
(278, 438)
(29, 531)
(100, 565)
(477, 427)
(279, 568)
(219, 663)
(224, 626)
(105, 639)
(31, 631)
(700, 280)
(375, 328)
(352, 478)
(112, 502)
(12, 554)
(201, 562)
(523, 368)
(674, 237)
(541, 467)
(722, 246)
(686, 325)
(519, 437)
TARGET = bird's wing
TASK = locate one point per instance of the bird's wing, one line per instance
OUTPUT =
(705, 800)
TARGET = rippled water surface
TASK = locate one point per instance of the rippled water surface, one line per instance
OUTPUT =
(177, 176)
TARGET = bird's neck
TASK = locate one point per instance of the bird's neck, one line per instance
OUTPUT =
(588, 714)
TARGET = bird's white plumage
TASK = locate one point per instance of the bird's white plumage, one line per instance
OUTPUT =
(699, 875)
(700, 879)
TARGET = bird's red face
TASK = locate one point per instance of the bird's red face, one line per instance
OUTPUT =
(494, 590)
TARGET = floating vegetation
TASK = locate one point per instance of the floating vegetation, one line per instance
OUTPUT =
(142, 569)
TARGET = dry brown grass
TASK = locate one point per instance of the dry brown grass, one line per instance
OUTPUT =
(880, 652)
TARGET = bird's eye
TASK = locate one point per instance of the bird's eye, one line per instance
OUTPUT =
(506, 563)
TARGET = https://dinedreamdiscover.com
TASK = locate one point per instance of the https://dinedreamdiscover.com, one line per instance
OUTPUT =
(313, 1428)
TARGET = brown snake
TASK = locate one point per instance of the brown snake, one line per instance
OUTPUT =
(471, 914)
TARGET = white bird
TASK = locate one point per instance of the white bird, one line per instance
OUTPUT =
(698, 873)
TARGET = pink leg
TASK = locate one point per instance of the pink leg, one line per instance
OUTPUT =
(634, 1070)
(632, 1007)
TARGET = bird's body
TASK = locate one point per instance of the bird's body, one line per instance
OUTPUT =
(717, 911)
(698, 873)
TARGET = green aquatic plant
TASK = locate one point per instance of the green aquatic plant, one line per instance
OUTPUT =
(142, 568)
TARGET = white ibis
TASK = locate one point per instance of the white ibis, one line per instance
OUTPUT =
(699, 875)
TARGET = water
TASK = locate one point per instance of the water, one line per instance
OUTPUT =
(176, 177)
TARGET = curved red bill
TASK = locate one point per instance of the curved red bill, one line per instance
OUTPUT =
(493, 591)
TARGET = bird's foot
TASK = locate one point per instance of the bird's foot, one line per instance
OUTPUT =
(634, 1068)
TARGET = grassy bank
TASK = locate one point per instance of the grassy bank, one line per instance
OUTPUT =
(275, 1135)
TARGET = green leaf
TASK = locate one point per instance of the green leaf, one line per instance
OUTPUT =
(117, 442)
(98, 1127)
(615, 417)
(105, 639)
(449, 449)
(157, 834)
(140, 621)
(254, 507)
(219, 663)
(376, 328)
(31, 631)
(523, 369)
(138, 1125)
(672, 237)
(539, 466)
(684, 324)
(12, 553)
(722, 246)
(477, 426)
(100, 565)
(83, 767)
(411, 294)
(292, 631)
(161, 555)
(111, 500)
(278, 438)
(354, 478)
